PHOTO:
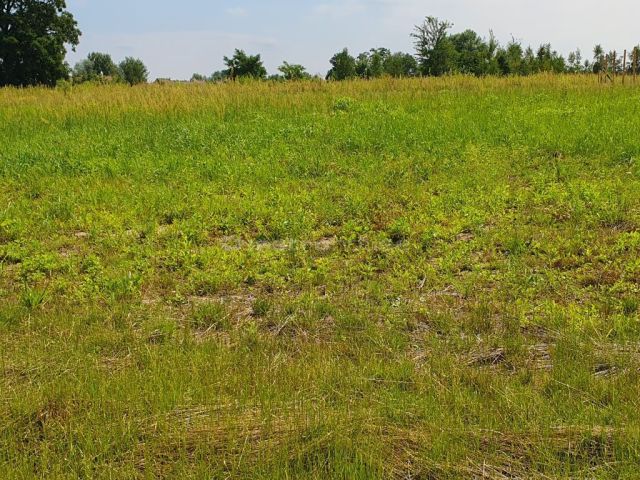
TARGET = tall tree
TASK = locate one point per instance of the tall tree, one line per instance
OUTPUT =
(510, 59)
(598, 58)
(33, 39)
(133, 71)
(243, 65)
(343, 66)
(574, 61)
(473, 54)
(436, 54)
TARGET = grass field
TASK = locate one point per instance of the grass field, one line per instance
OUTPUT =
(411, 279)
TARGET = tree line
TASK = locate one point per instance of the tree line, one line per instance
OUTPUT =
(34, 35)
(439, 52)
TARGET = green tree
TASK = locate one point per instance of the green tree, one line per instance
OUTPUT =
(133, 71)
(103, 64)
(362, 65)
(529, 61)
(343, 66)
(95, 67)
(371, 64)
(243, 65)
(473, 54)
(574, 62)
(401, 65)
(548, 60)
(510, 59)
(219, 76)
(435, 51)
(83, 71)
(293, 71)
(598, 58)
(33, 39)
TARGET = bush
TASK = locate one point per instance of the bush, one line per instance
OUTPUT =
(133, 71)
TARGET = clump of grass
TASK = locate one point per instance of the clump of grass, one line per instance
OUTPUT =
(33, 298)
(630, 306)
(261, 307)
(210, 316)
(343, 104)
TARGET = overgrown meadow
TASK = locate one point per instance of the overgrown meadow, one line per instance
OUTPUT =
(423, 279)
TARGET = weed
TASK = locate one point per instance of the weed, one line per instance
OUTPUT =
(33, 298)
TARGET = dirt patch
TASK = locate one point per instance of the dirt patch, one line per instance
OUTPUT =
(325, 244)
(240, 305)
(488, 358)
(234, 242)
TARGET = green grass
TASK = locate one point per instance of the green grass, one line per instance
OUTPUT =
(385, 279)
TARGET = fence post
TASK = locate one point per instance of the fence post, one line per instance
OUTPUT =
(624, 67)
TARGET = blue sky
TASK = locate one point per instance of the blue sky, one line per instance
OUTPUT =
(178, 38)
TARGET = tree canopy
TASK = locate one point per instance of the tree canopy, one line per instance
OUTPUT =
(33, 39)
(97, 66)
(133, 71)
(293, 71)
(243, 65)
(343, 66)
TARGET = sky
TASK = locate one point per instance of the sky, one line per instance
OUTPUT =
(176, 38)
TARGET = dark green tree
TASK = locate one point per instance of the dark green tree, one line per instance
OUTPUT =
(343, 66)
(529, 61)
(548, 60)
(371, 64)
(435, 52)
(510, 59)
(598, 59)
(362, 65)
(400, 65)
(133, 71)
(33, 39)
(293, 71)
(243, 65)
(471, 52)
